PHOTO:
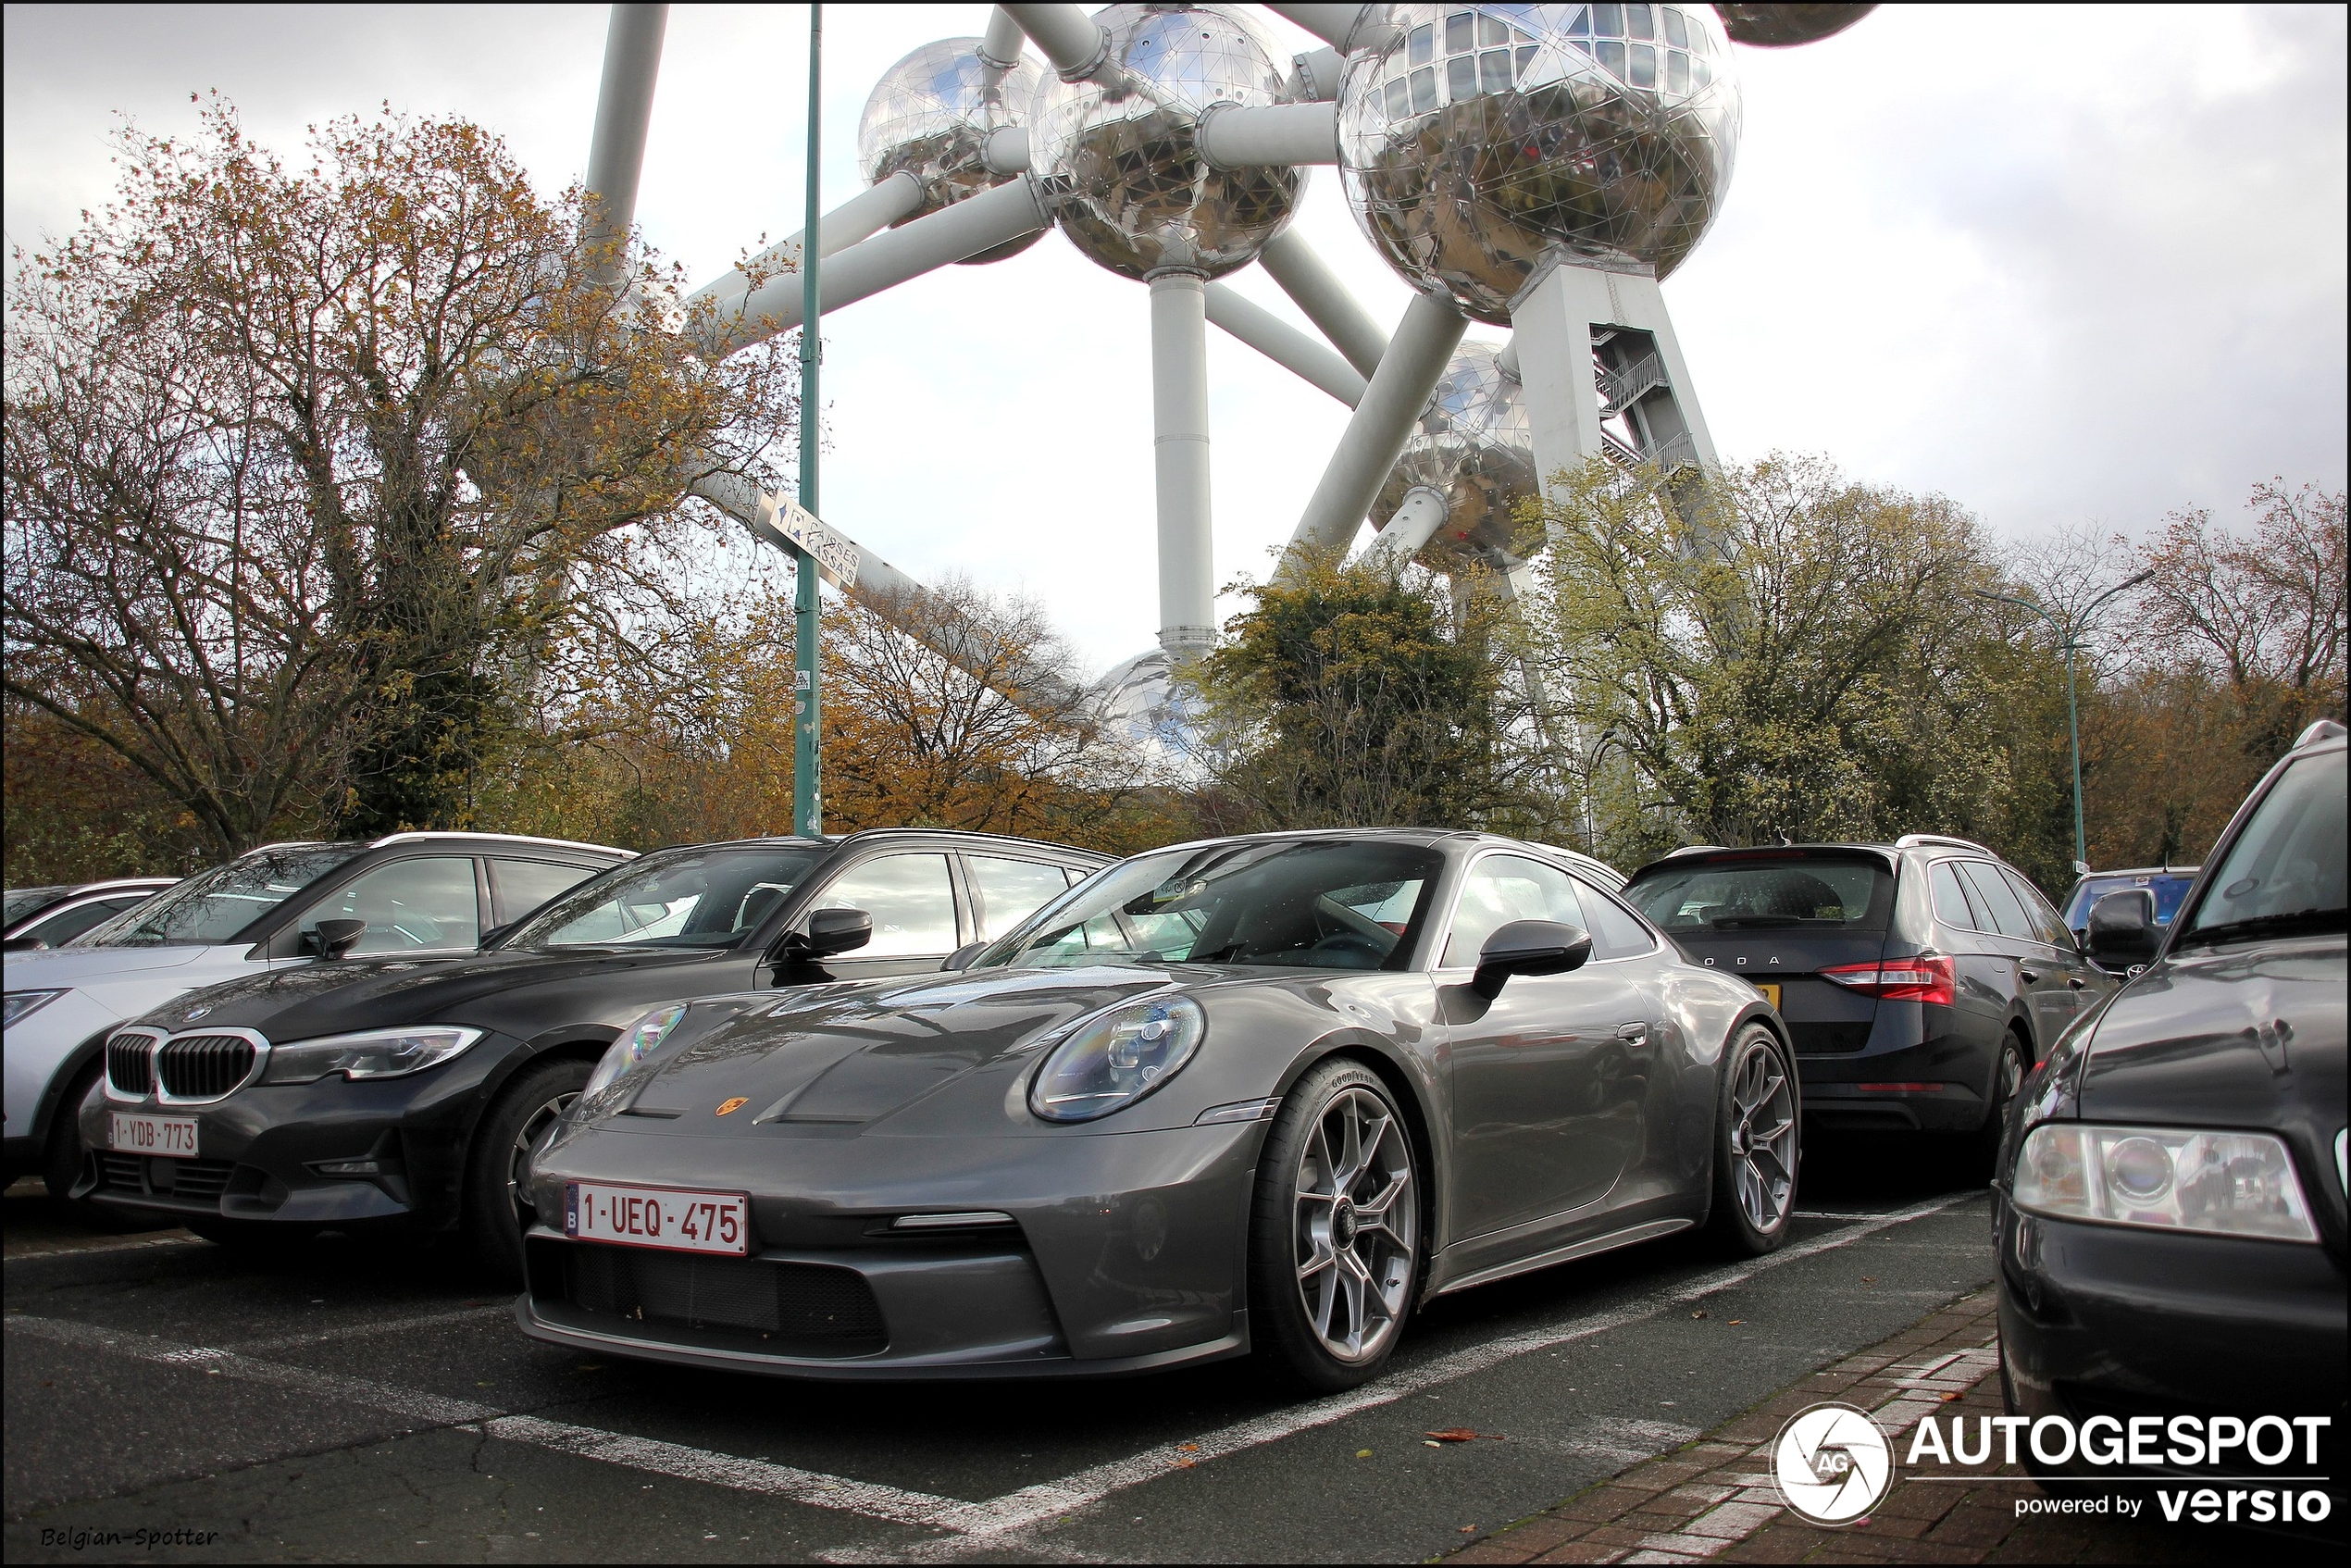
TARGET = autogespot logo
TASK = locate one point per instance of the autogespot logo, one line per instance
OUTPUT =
(1832, 1463)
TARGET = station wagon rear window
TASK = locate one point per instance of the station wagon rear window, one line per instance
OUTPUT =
(1785, 892)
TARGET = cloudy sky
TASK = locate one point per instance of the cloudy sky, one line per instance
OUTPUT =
(2064, 265)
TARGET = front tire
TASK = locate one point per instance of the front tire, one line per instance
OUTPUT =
(1335, 1234)
(1756, 1128)
(2007, 1076)
(497, 1205)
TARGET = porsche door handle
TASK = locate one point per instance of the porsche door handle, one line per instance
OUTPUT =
(2032, 977)
(2077, 982)
(1634, 1034)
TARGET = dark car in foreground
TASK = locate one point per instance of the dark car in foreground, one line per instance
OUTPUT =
(1264, 1092)
(2171, 1219)
(406, 1091)
(42, 917)
(1920, 979)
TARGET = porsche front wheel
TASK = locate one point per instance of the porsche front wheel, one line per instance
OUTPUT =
(1334, 1234)
(1755, 1147)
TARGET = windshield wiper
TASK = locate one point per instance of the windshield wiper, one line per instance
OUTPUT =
(2265, 925)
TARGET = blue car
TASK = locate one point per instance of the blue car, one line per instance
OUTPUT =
(2167, 884)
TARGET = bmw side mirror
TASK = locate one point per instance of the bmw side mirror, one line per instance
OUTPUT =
(1529, 947)
(2122, 931)
(332, 939)
(830, 931)
(961, 957)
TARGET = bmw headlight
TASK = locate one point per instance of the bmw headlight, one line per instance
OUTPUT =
(371, 1053)
(1116, 1059)
(637, 1041)
(21, 1003)
(2215, 1183)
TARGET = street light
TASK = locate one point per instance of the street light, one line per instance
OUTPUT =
(2072, 713)
(807, 752)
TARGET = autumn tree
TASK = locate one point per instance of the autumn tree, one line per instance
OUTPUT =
(306, 470)
(1350, 695)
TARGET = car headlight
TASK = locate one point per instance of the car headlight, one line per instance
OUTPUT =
(2214, 1183)
(1116, 1059)
(21, 1003)
(371, 1053)
(637, 1041)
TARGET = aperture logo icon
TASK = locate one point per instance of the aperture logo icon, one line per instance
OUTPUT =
(1832, 1463)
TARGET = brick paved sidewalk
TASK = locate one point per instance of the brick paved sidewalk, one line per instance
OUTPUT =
(1714, 1499)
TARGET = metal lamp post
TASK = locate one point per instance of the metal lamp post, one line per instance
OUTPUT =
(807, 755)
(2067, 643)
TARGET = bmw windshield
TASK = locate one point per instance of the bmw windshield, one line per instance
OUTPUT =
(213, 906)
(686, 898)
(1317, 904)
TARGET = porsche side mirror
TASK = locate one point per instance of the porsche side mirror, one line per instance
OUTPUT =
(2123, 930)
(830, 931)
(1529, 947)
(961, 957)
(332, 939)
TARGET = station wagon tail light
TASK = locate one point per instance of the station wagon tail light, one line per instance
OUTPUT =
(1927, 977)
(2212, 1183)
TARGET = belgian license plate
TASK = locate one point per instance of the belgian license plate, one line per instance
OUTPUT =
(172, 1136)
(1771, 993)
(657, 1216)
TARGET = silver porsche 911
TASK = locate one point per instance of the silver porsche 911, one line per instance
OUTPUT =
(1259, 1093)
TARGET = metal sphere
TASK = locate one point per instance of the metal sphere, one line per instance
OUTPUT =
(1475, 447)
(1474, 142)
(1781, 27)
(931, 115)
(1116, 155)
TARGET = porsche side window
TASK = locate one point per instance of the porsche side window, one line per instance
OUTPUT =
(1009, 890)
(1503, 888)
(1615, 934)
(409, 905)
(911, 900)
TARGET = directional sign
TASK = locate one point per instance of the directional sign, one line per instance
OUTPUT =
(837, 559)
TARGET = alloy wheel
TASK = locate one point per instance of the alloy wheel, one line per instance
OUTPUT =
(1357, 1223)
(1762, 1136)
(534, 1131)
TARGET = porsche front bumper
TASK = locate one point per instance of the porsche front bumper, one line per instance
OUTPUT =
(1125, 1252)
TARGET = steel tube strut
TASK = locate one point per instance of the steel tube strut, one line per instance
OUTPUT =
(1073, 41)
(860, 217)
(1329, 23)
(624, 110)
(1179, 422)
(1375, 438)
(1415, 523)
(1283, 344)
(1291, 262)
(936, 239)
(1234, 136)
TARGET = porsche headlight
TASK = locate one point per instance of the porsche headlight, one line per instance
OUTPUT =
(1116, 1059)
(21, 1003)
(2216, 1183)
(371, 1053)
(637, 1041)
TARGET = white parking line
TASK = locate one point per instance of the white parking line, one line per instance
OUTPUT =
(387, 1326)
(995, 1525)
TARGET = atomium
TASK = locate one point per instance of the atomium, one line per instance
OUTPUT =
(1475, 447)
(1473, 144)
(1115, 152)
(1782, 27)
(931, 116)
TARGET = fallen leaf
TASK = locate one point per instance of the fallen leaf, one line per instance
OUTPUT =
(1948, 1398)
(1868, 1279)
(1430, 1443)
(1698, 1314)
(1188, 1447)
(1737, 1321)
(1463, 1435)
(1187, 1464)
(1362, 1453)
(1469, 1529)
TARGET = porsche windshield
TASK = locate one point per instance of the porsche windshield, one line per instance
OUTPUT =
(213, 906)
(1314, 904)
(695, 898)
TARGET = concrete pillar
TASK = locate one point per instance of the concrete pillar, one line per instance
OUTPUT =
(1179, 424)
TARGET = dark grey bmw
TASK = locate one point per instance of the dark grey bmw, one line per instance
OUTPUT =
(1265, 1093)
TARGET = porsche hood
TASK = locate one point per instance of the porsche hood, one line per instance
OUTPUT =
(849, 1055)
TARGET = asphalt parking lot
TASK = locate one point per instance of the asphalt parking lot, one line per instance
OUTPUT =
(370, 1400)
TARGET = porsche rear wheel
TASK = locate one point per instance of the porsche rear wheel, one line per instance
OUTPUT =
(1335, 1236)
(1755, 1139)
